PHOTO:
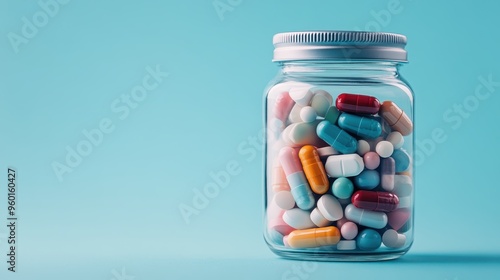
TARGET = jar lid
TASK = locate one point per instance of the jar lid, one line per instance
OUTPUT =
(339, 45)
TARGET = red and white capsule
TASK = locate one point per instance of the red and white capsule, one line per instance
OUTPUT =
(375, 201)
(357, 104)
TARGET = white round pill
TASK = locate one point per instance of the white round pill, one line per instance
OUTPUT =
(396, 139)
(308, 114)
(298, 218)
(349, 230)
(284, 200)
(318, 219)
(363, 147)
(330, 207)
(384, 149)
(393, 239)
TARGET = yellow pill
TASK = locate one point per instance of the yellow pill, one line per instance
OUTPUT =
(314, 237)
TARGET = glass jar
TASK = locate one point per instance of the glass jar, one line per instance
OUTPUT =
(339, 178)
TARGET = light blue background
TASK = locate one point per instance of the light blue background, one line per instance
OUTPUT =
(120, 207)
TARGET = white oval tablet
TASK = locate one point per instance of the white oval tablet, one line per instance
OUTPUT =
(284, 200)
(301, 95)
(321, 103)
(346, 245)
(325, 94)
(348, 165)
(330, 207)
(300, 134)
(298, 218)
(318, 219)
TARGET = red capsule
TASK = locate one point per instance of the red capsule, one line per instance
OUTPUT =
(375, 201)
(357, 104)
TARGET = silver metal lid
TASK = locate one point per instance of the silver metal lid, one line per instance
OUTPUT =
(339, 45)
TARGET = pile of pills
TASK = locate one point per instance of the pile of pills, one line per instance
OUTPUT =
(340, 177)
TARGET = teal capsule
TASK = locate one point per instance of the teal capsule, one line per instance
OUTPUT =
(337, 138)
(301, 191)
(332, 115)
(402, 160)
(362, 126)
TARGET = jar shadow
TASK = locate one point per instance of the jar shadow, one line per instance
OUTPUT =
(450, 258)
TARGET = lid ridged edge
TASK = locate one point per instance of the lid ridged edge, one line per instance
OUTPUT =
(339, 45)
(311, 37)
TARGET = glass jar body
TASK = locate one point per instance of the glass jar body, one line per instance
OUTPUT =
(339, 178)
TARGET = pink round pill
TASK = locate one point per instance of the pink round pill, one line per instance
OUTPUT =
(341, 222)
(349, 230)
(372, 160)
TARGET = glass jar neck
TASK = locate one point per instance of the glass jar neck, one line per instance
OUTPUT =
(339, 69)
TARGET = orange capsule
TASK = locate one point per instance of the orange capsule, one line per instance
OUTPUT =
(396, 118)
(314, 169)
(314, 237)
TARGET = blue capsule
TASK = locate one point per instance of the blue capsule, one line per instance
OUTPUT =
(362, 126)
(301, 192)
(402, 160)
(337, 138)
(367, 180)
(275, 237)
